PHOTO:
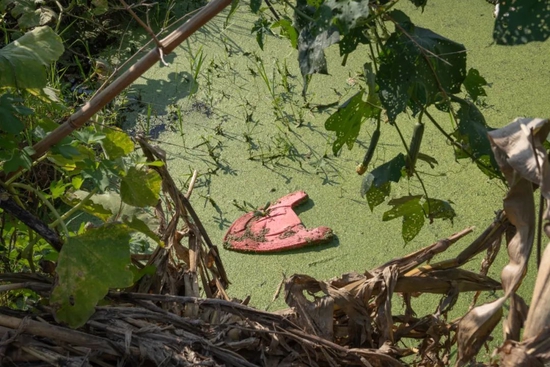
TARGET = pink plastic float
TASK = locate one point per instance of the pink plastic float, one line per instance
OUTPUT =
(277, 228)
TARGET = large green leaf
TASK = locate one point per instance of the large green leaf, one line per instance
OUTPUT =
(23, 62)
(410, 209)
(140, 187)
(89, 265)
(417, 66)
(70, 158)
(347, 121)
(522, 21)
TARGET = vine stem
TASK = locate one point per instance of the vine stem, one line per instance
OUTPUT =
(414, 169)
(454, 142)
(20, 172)
(73, 209)
(47, 203)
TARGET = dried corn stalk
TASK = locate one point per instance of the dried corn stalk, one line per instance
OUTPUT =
(523, 160)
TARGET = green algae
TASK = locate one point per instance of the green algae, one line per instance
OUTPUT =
(240, 131)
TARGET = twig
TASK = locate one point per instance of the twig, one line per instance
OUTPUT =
(191, 184)
(66, 335)
(10, 206)
(148, 30)
(275, 14)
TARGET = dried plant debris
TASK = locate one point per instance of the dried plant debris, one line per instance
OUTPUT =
(182, 314)
(346, 321)
(519, 152)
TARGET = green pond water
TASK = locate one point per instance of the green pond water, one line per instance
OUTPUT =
(231, 118)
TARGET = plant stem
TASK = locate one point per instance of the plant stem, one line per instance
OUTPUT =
(456, 144)
(74, 209)
(47, 203)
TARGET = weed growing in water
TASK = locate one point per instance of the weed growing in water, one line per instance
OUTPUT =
(282, 148)
(196, 62)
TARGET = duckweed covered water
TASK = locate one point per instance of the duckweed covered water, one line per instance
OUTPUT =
(251, 141)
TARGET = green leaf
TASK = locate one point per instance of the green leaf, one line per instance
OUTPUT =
(255, 5)
(347, 14)
(9, 122)
(88, 136)
(471, 133)
(416, 66)
(88, 266)
(377, 195)
(57, 188)
(140, 188)
(77, 182)
(30, 17)
(311, 55)
(389, 171)
(351, 40)
(19, 159)
(140, 226)
(100, 7)
(439, 209)
(116, 143)
(347, 121)
(522, 21)
(90, 206)
(71, 162)
(231, 13)
(410, 209)
(315, 3)
(68, 151)
(419, 3)
(376, 185)
(474, 84)
(23, 62)
(97, 172)
(288, 31)
(262, 29)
